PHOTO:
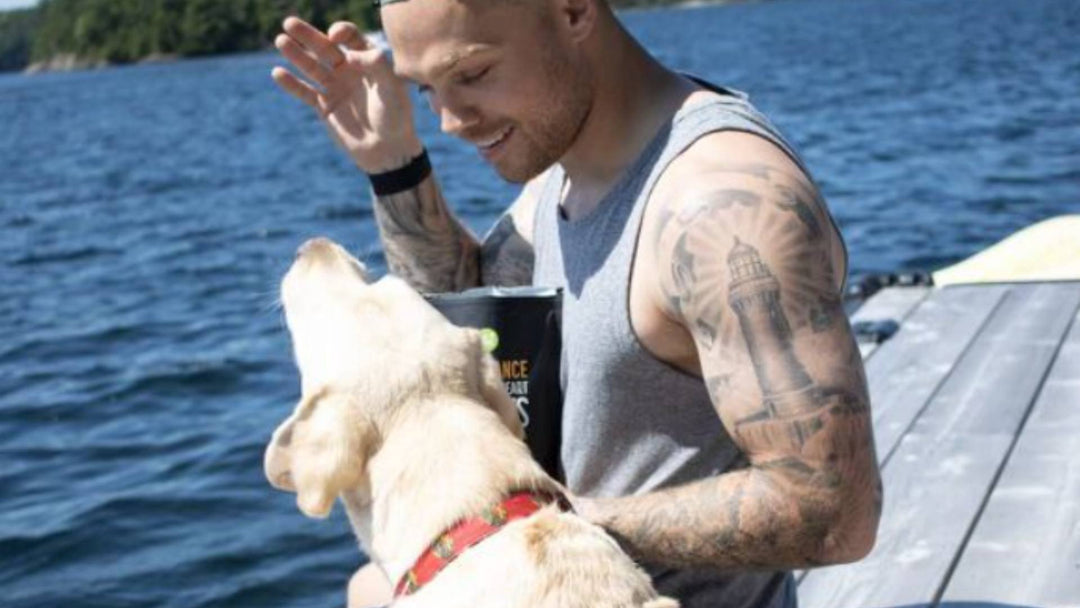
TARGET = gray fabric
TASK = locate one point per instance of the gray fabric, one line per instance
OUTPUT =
(631, 423)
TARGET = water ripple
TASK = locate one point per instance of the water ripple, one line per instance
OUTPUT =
(147, 215)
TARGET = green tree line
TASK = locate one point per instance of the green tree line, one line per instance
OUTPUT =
(123, 31)
(16, 28)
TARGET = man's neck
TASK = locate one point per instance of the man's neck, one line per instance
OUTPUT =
(635, 96)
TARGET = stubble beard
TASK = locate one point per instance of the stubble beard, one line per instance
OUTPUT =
(558, 121)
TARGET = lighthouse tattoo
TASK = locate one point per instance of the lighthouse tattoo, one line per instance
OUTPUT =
(788, 392)
(786, 388)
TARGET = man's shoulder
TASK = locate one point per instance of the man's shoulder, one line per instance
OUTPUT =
(723, 159)
(740, 183)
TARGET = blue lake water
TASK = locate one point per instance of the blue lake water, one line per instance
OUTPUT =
(147, 214)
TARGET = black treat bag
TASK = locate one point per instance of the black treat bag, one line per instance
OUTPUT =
(521, 328)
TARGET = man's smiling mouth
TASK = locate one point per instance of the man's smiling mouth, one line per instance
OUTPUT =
(499, 137)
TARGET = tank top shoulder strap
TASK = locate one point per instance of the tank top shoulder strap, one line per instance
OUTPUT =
(729, 110)
(545, 224)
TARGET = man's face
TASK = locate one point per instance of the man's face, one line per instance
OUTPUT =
(503, 77)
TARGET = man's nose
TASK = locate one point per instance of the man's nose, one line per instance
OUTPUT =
(454, 118)
(451, 124)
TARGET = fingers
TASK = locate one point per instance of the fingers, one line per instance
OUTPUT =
(314, 41)
(371, 57)
(303, 60)
(348, 35)
(297, 88)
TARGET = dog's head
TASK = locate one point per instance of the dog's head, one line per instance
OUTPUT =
(364, 351)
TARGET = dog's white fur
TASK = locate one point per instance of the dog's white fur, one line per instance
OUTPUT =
(404, 417)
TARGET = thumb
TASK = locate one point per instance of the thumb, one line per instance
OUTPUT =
(348, 35)
(374, 59)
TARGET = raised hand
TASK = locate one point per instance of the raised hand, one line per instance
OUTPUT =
(352, 86)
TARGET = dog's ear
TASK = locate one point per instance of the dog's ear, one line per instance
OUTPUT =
(320, 451)
(492, 389)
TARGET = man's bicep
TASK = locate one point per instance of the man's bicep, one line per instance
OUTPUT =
(748, 268)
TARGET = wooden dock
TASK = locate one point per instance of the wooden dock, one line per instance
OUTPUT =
(976, 408)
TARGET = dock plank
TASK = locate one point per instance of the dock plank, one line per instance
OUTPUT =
(1025, 549)
(891, 303)
(941, 472)
(905, 373)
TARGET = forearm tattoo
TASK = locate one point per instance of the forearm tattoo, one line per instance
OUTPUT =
(424, 243)
(750, 270)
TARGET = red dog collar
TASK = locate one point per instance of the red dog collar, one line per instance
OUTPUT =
(470, 531)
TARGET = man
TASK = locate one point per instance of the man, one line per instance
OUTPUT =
(716, 413)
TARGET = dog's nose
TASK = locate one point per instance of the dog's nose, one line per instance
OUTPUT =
(316, 247)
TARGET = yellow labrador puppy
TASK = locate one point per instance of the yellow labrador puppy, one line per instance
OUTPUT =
(404, 417)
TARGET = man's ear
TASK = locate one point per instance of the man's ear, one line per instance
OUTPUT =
(492, 389)
(321, 451)
(578, 17)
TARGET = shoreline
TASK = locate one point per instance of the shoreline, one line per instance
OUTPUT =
(70, 62)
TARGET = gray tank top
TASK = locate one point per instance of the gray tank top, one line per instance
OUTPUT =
(632, 423)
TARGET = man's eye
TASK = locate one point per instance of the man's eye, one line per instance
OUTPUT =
(470, 78)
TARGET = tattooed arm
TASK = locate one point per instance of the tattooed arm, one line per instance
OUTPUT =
(748, 265)
(424, 243)
(429, 248)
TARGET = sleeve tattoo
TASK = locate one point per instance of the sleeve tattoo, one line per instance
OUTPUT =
(429, 248)
(747, 269)
(425, 244)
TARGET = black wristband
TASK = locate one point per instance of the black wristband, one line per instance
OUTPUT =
(405, 178)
